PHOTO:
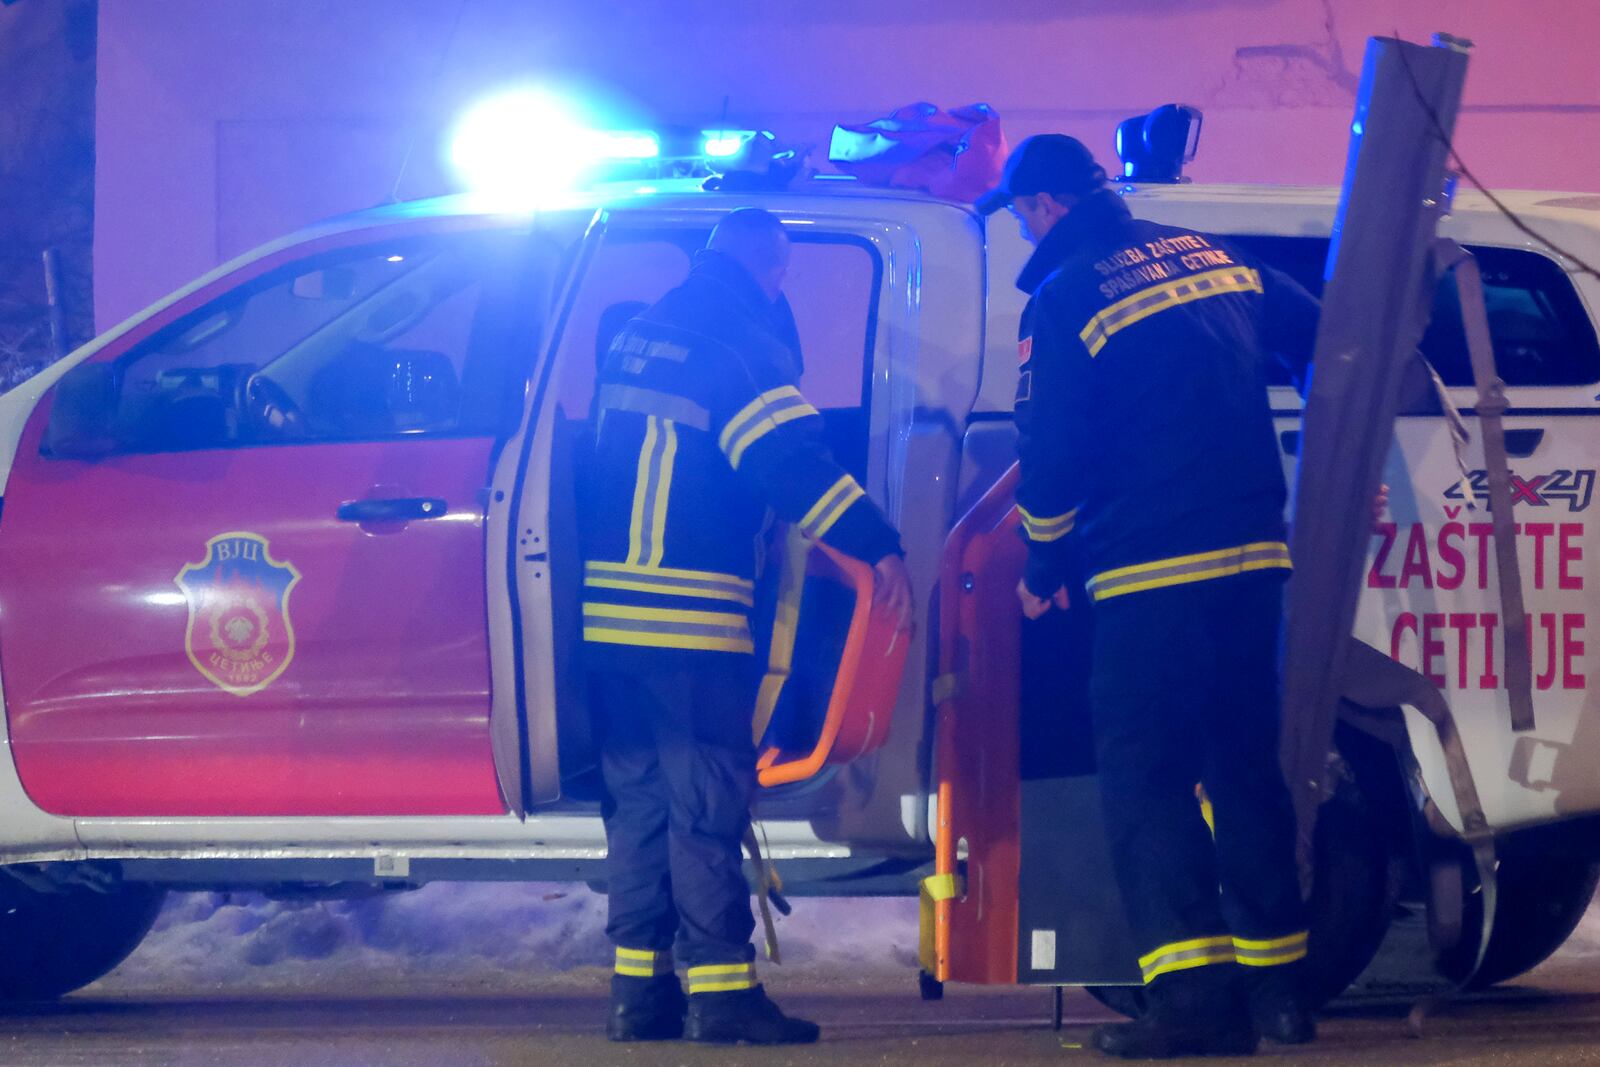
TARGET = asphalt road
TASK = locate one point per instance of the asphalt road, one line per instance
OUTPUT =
(1551, 1017)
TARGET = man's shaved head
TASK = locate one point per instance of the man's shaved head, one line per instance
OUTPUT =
(755, 240)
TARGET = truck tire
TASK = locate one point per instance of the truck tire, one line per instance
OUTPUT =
(1352, 900)
(54, 942)
(1542, 897)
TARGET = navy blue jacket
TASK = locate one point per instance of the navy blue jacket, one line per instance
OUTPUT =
(702, 429)
(1142, 407)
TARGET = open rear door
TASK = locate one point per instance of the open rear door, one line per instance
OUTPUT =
(1023, 890)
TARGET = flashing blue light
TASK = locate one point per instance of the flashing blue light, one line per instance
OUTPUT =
(720, 144)
(626, 144)
(525, 146)
(519, 147)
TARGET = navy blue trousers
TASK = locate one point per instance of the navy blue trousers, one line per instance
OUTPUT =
(1185, 691)
(680, 770)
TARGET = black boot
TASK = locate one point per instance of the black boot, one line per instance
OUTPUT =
(1278, 1006)
(1191, 1013)
(744, 1016)
(646, 1009)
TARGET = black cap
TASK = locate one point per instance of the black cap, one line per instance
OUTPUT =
(1045, 163)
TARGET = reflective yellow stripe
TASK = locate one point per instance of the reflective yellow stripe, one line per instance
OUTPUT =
(766, 426)
(1185, 955)
(624, 624)
(651, 639)
(1187, 963)
(722, 977)
(663, 490)
(752, 411)
(647, 527)
(785, 627)
(640, 585)
(641, 490)
(711, 970)
(674, 573)
(761, 416)
(1281, 942)
(645, 955)
(1180, 570)
(1222, 940)
(1156, 298)
(1247, 960)
(831, 506)
(1271, 953)
(1050, 529)
(941, 887)
(722, 987)
(642, 963)
(629, 611)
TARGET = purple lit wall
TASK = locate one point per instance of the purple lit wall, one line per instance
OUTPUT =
(223, 124)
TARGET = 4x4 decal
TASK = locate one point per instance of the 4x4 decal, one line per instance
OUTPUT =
(1574, 487)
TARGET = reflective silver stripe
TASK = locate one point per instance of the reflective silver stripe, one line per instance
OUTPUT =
(1271, 953)
(1200, 567)
(632, 398)
(630, 343)
(759, 417)
(1050, 529)
(830, 507)
(642, 962)
(1182, 955)
(668, 583)
(666, 628)
(1159, 297)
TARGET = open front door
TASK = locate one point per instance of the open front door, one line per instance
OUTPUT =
(629, 259)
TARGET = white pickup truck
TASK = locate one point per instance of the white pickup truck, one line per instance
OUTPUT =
(287, 560)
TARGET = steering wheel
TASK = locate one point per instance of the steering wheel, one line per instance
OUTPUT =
(270, 408)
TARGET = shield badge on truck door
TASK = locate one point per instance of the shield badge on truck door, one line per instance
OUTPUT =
(240, 636)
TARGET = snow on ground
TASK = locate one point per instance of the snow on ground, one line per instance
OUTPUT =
(486, 936)
(498, 938)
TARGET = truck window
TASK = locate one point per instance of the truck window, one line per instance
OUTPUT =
(832, 289)
(1542, 334)
(407, 337)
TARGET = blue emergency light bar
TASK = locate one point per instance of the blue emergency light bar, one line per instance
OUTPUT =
(625, 144)
(526, 145)
(721, 144)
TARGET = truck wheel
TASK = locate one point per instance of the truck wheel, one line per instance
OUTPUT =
(54, 942)
(1352, 900)
(1353, 893)
(1542, 897)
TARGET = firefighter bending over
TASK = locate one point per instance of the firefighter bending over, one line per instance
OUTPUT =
(702, 430)
(1145, 427)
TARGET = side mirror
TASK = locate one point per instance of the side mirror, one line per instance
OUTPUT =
(333, 283)
(83, 415)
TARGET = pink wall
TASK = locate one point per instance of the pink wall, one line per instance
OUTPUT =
(222, 124)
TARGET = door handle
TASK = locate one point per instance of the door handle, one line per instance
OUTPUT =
(392, 509)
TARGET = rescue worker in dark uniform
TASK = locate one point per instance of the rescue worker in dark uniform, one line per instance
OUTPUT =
(702, 431)
(1144, 429)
